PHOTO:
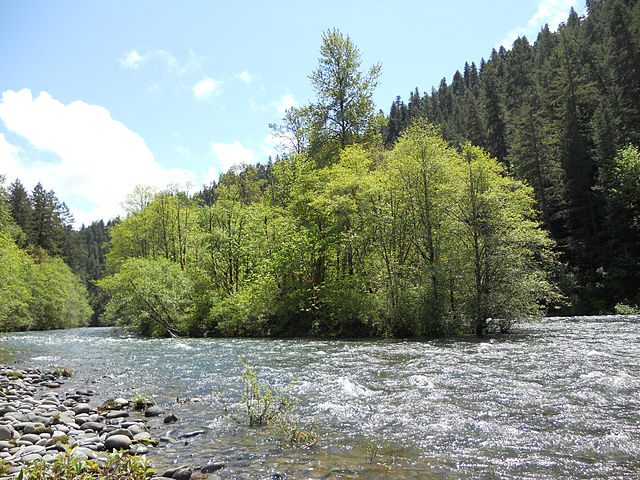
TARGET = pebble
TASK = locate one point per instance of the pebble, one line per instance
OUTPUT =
(82, 408)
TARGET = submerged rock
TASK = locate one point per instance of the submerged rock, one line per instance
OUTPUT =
(171, 418)
(153, 411)
(194, 433)
(178, 473)
(211, 467)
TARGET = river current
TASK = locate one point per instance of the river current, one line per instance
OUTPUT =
(555, 399)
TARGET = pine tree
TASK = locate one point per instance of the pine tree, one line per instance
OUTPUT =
(623, 60)
(20, 206)
(493, 114)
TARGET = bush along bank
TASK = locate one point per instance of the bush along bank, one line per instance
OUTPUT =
(46, 433)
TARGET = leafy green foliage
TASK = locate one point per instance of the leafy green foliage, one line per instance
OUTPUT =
(42, 294)
(66, 466)
(154, 296)
(340, 237)
(420, 240)
(58, 371)
(557, 113)
(344, 105)
(37, 290)
(16, 268)
(623, 309)
(59, 300)
(139, 402)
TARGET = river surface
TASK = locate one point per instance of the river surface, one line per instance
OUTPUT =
(555, 399)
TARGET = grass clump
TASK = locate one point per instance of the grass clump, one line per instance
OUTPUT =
(119, 466)
(62, 371)
(139, 402)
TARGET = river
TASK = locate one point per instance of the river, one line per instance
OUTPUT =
(555, 399)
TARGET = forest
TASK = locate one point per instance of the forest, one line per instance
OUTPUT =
(510, 193)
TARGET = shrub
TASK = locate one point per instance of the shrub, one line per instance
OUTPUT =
(623, 309)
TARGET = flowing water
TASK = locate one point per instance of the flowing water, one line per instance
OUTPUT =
(556, 399)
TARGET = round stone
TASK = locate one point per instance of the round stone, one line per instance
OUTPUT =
(153, 411)
(82, 408)
(6, 432)
(117, 442)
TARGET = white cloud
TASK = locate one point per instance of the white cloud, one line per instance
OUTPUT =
(271, 145)
(211, 176)
(131, 59)
(9, 163)
(284, 102)
(231, 154)
(153, 88)
(206, 88)
(98, 160)
(245, 77)
(551, 12)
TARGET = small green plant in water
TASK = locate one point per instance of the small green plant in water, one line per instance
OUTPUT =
(61, 371)
(139, 401)
(265, 405)
(262, 403)
(373, 451)
(294, 433)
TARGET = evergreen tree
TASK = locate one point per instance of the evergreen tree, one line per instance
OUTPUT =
(44, 219)
(20, 206)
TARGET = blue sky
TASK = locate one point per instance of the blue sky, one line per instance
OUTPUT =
(97, 97)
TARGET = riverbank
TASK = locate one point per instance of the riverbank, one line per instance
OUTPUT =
(39, 422)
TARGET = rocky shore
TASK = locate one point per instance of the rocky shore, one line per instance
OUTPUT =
(39, 421)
